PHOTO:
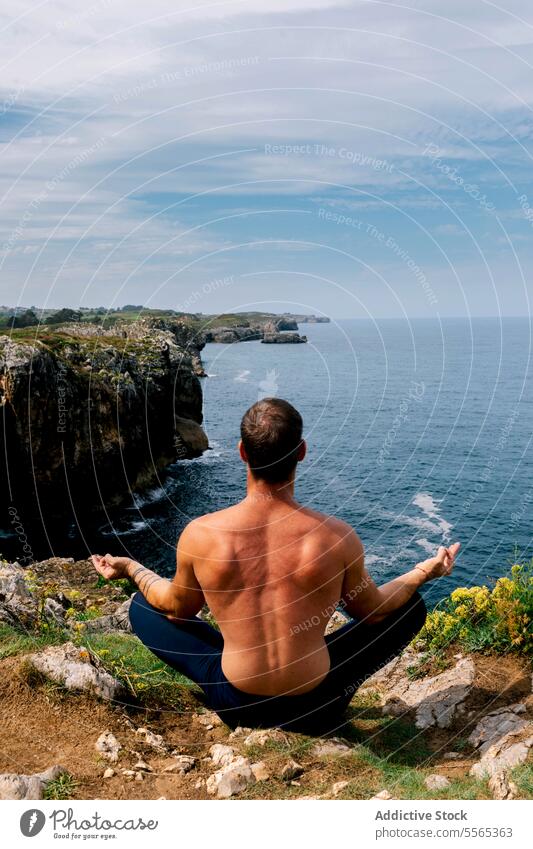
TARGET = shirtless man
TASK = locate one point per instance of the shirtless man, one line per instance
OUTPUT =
(272, 573)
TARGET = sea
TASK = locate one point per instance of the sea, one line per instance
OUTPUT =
(419, 434)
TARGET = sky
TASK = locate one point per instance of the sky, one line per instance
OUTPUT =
(355, 159)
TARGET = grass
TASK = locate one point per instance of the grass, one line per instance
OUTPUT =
(60, 788)
(13, 642)
(148, 679)
(523, 778)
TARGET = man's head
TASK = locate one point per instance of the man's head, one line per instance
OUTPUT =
(271, 440)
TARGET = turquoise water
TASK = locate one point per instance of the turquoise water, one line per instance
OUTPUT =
(419, 434)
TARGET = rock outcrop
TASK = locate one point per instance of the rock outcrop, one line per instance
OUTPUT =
(18, 607)
(90, 415)
(272, 329)
(75, 669)
(435, 701)
(26, 787)
(283, 339)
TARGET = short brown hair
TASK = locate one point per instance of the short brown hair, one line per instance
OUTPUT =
(271, 433)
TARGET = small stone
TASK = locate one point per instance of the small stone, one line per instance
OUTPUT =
(108, 746)
(239, 732)
(291, 770)
(155, 741)
(332, 747)
(139, 776)
(452, 756)
(231, 779)
(383, 795)
(263, 736)
(501, 787)
(209, 719)
(338, 787)
(109, 773)
(260, 771)
(296, 784)
(200, 783)
(437, 782)
(221, 755)
(142, 765)
(179, 764)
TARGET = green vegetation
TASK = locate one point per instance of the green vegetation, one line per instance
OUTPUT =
(148, 679)
(479, 619)
(60, 788)
(13, 641)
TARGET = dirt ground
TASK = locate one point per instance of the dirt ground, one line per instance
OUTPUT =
(42, 726)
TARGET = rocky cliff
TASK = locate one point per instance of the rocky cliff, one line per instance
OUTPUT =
(90, 414)
(270, 329)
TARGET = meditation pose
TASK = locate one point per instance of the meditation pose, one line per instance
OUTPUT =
(272, 572)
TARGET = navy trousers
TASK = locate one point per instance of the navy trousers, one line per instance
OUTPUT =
(357, 650)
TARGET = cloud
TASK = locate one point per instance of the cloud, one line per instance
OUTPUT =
(123, 125)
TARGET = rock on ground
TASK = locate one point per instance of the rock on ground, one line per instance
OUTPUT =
(231, 779)
(501, 787)
(496, 725)
(222, 755)
(437, 782)
(119, 620)
(383, 795)
(108, 746)
(337, 620)
(13, 786)
(263, 736)
(75, 669)
(155, 741)
(501, 757)
(18, 607)
(260, 771)
(327, 748)
(291, 770)
(179, 764)
(436, 701)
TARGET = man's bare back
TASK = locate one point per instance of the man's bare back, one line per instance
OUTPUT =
(271, 573)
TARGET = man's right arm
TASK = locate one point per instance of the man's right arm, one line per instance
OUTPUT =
(364, 600)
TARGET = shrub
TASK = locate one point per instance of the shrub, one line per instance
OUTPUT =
(479, 619)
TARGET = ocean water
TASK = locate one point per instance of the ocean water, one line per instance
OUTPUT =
(419, 434)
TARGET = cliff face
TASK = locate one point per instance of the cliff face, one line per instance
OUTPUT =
(89, 415)
(250, 331)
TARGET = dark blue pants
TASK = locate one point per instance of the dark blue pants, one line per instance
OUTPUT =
(357, 650)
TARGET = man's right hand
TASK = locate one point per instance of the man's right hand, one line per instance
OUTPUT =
(440, 565)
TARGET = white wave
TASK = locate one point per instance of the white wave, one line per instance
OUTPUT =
(132, 528)
(148, 497)
(431, 509)
(242, 377)
(211, 375)
(374, 558)
(426, 545)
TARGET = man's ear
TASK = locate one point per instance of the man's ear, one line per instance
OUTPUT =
(302, 451)
(242, 452)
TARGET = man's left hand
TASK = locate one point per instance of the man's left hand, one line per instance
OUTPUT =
(111, 568)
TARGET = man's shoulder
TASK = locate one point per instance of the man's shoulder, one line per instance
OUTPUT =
(338, 528)
(208, 523)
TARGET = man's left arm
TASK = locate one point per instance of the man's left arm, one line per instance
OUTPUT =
(180, 598)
